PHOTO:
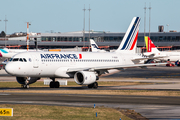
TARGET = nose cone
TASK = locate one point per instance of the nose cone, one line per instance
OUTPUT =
(9, 69)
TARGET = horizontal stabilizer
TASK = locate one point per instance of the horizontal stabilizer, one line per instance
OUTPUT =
(151, 57)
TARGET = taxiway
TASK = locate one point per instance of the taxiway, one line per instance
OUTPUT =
(152, 107)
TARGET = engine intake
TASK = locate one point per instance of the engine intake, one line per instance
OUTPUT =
(85, 77)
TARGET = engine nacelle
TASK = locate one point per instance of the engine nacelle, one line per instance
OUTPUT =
(85, 77)
(21, 80)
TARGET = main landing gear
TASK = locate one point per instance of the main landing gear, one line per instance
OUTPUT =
(54, 84)
(93, 85)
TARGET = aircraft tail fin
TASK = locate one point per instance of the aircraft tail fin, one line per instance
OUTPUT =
(94, 46)
(3, 51)
(129, 41)
(150, 47)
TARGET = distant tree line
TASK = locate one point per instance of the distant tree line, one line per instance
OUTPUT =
(3, 34)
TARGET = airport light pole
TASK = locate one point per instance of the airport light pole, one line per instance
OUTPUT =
(149, 18)
(5, 29)
(89, 25)
(145, 20)
(84, 27)
(27, 38)
(144, 23)
(0, 20)
(167, 27)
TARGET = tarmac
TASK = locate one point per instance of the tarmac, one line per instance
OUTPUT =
(151, 107)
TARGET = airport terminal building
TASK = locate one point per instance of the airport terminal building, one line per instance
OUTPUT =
(168, 40)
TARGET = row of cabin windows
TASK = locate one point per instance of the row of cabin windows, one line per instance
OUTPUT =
(80, 60)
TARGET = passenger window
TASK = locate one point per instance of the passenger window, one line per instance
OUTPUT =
(29, 59)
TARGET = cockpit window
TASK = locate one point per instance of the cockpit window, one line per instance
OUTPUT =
(10, 60)
(24, 60)
(20, 59)
(15, 59)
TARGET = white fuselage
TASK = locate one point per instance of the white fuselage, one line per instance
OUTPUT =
(169, 55)
(55, 64)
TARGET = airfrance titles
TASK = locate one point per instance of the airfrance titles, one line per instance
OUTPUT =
(59, 56)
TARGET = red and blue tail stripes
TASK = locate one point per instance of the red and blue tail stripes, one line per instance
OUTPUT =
(131, 39)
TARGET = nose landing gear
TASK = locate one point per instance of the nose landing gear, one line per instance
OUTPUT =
(26, 84)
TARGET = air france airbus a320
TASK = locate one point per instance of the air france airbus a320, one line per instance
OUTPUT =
(84, 67)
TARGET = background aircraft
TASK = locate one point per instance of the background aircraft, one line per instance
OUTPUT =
(94, 47)
(153, 51)
(8, 53)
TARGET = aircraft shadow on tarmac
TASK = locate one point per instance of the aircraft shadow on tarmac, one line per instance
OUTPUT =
(63, 88)
(82, 88)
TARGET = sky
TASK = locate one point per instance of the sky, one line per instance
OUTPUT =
(105, 15)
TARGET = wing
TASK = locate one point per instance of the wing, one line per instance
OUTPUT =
(112, 67)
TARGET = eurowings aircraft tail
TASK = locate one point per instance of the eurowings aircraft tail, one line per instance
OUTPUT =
(150, 45)
(129, 41)
(3, 52)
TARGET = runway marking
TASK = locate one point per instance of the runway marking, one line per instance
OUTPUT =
(22, 102)
(4, 94)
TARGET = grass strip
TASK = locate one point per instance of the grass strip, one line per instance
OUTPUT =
(70, 83)
(39, 84)
(44, 112)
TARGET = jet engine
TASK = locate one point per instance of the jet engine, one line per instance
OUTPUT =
(85, 77)
(22, 80)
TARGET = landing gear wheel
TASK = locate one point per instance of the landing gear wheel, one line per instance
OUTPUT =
(51, 85)
(95, 85)
(90, 86)
(25, 86)
(56, 84)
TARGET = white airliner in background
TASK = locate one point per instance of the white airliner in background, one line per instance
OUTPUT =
(84, 67)
(153, 51)
(8, 53)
